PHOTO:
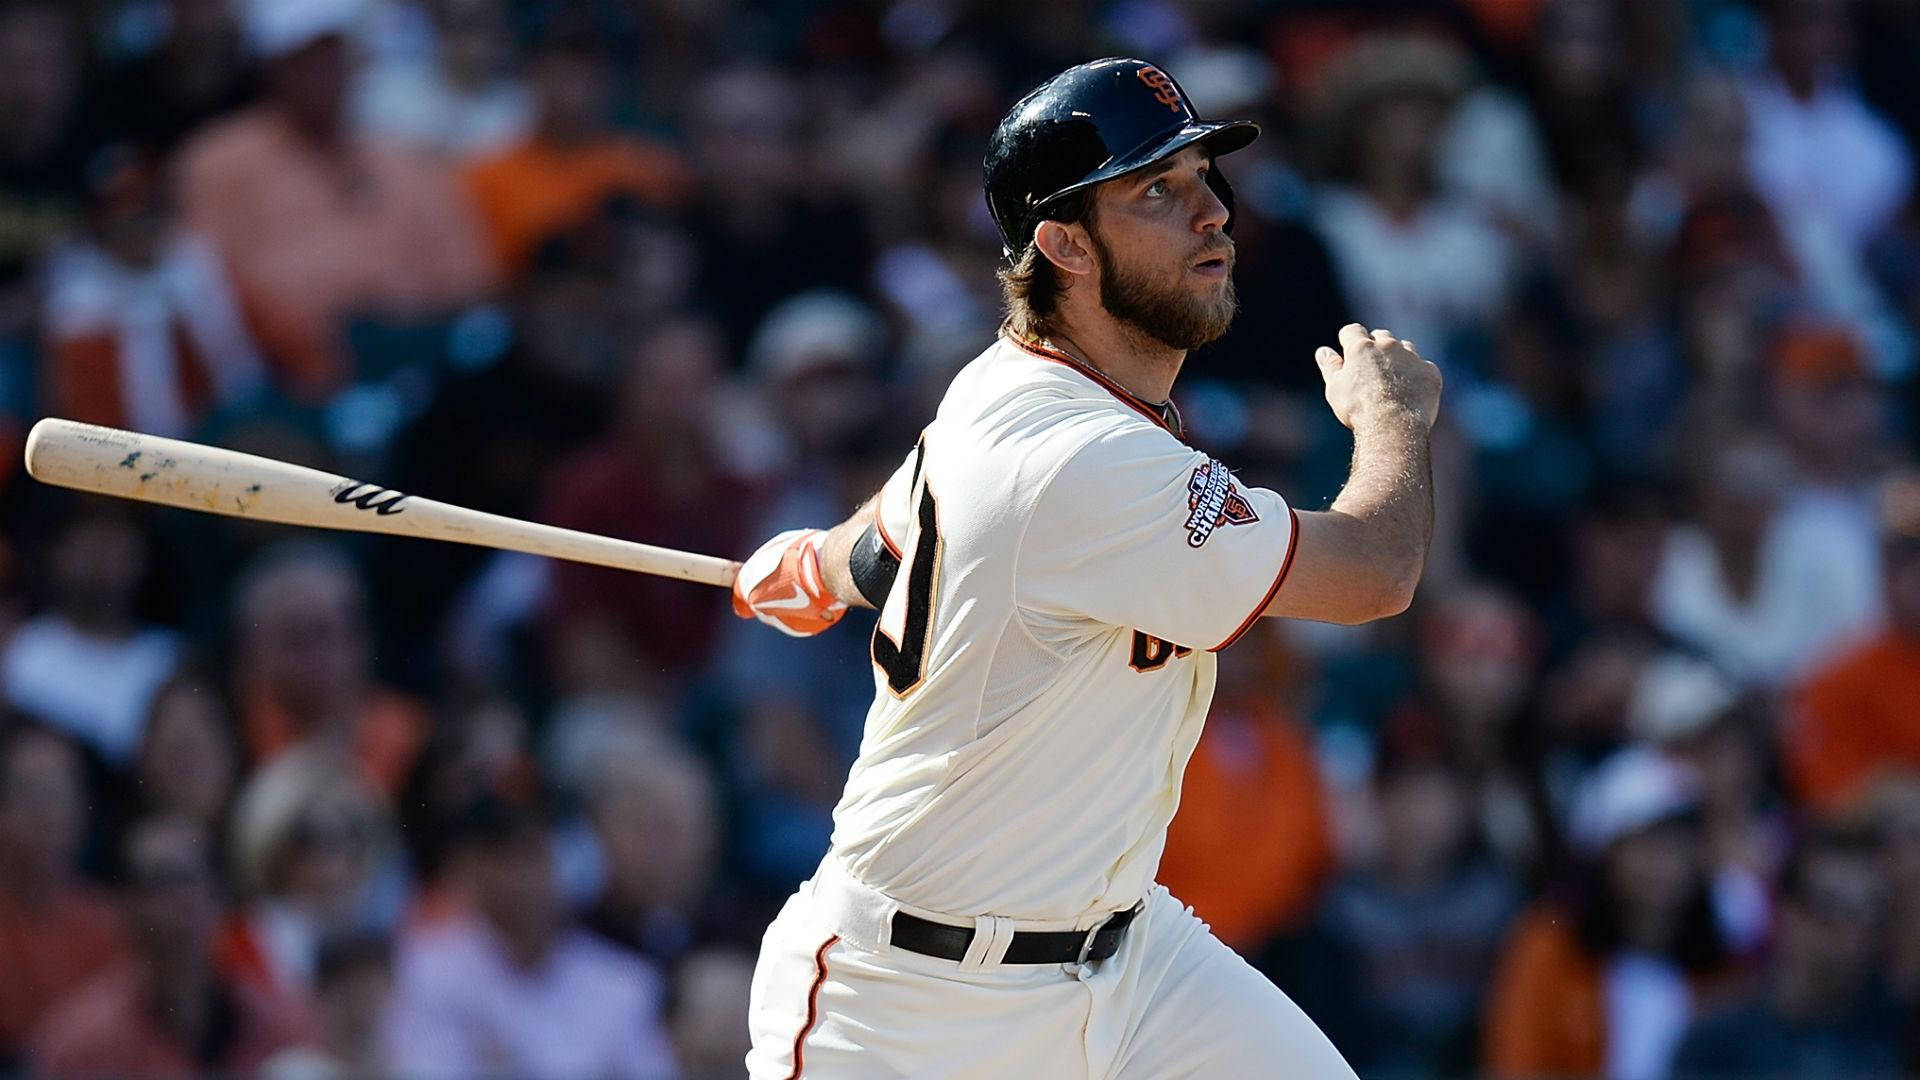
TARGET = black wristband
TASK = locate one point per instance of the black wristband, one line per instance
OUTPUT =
(872, 566)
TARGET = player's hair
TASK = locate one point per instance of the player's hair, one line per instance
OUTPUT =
(1031, 288)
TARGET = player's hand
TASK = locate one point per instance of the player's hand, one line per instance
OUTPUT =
(1375, 375)
(782, 586)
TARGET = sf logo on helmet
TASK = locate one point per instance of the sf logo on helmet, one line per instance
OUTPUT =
(1163, 88)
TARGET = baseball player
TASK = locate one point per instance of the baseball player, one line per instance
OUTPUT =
(1054, 570)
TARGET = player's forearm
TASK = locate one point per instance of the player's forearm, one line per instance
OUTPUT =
(1389, 494)
(836, 554)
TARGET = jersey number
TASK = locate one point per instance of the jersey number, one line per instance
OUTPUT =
(1151, 653)
(905, 661)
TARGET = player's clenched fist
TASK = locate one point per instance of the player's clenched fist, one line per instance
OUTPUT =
(782, 586)
(1375, 374)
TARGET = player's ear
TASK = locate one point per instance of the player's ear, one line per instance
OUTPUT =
(1065, 246)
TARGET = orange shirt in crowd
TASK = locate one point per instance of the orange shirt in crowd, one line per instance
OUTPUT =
(1250, 846)
(48, 953)
(1546, 1015)
(152, 348)
(314, 239)
(1855, 720)
(88, 384)
(106, 1029)
(541, 188)
(387, 735)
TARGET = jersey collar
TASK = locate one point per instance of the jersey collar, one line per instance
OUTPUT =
(1164, 413)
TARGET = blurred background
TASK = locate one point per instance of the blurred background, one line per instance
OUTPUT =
(1633, 790)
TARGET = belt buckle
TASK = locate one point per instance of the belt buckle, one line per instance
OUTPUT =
(1086, 945)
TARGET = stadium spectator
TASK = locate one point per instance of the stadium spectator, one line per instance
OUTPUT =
(1406, 943)
(1607, 987)
(480, 751)
(656, 815)
(1834, 171)
(56, 931)
(88, 664)
(1491, 156)
(1617, 539)
(1825, 1011)
(320, 225)
(1581, 86)
(1859, 717)
(1477, 661)
(464, 97)
(1685, 707)
(145, 330)
(302, 666)
(1602, 638)
(189, 763)
(1408, 257)
(352, 982)
(1763, 599)
(658, 477)
(817, 361)
(1831, 411)
(169, 1012)
(571, 162)
(315, 860)
(513, 987)
(1734, 284)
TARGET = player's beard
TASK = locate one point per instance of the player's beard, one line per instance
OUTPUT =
(1169, 314)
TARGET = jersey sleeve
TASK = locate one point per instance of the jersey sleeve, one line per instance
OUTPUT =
(896, 501)
(1139, 530)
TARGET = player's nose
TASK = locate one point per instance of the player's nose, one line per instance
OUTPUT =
(1212, 213)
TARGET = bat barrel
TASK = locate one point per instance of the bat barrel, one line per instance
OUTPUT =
(209, 479)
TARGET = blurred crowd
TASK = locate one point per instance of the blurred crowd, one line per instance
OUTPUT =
(1633, 791)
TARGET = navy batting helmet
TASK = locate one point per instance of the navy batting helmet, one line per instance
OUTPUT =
(1087, 125)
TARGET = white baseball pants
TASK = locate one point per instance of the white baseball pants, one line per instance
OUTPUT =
(831, 999)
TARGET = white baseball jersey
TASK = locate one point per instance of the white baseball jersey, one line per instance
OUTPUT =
(1043, 663)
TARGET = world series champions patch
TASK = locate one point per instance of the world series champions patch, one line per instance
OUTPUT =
(1214, 502)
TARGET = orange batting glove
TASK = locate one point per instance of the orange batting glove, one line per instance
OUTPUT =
(781, 585)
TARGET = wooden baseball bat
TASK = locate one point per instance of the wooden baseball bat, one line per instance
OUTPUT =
(129, 465)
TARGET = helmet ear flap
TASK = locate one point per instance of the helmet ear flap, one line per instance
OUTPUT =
(1222, 191)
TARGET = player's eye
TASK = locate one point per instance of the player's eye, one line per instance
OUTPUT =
(1157, 188)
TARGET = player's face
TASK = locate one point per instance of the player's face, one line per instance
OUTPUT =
(1166, 265)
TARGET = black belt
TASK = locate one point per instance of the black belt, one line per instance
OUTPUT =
(928, 938)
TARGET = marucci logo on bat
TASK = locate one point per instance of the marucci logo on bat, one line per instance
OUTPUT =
(351, 493)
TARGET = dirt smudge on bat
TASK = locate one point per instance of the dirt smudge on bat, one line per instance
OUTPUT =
(128, 462)
(146, 476)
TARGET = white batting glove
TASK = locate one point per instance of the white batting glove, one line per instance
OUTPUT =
(782, 585)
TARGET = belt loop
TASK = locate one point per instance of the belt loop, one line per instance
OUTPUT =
(991, 936)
